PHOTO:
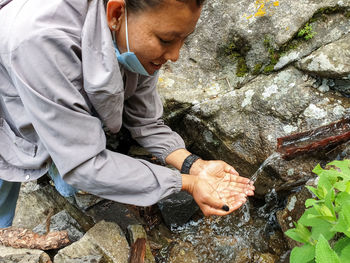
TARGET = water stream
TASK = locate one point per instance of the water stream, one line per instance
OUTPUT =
(240, 237)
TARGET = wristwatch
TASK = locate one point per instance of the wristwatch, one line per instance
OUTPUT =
(187, 164)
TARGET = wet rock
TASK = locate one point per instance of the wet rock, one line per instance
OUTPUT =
(253, 256)
(40, 202)
(121, 214)
(283, 176)
(292, 212)
(105, 240)
(264, 258)
(87, 259)
(242, 127)
(22, 255)
(342, 86)
(84, 201)
(330, 61)
(178, 208)
(182, 253)
(62, 221)
(137, 231)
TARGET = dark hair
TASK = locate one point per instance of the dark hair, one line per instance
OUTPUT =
(139, 5)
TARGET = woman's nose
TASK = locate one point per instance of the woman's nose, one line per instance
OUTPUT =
(173, 52)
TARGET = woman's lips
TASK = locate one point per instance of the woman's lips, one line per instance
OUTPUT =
(156, 66)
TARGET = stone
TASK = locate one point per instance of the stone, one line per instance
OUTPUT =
(62, 221)
(178, 208)
(282, 175)
(105, 239)
(85, 201)
(205, 70)
(292, 212)
(121, 214)
(329, 61)
(22, 255)
(241, 127)
(137, 231)
(40, 202)
(86, 259)
(265, 258)
(182, 253)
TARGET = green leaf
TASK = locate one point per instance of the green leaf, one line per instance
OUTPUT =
(322, 227)
(324, 212)
(343, 186)
(300, 233)
(342, 248)
(313, 190)
(347, 189)
(304, 254)
(310, 202)
(311, 217)
(324, 253)
(343, 165)
(318, 170)
(330, 175)
(342, 198)
(343, 224)
(345, 254)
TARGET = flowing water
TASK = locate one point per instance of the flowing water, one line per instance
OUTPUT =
(240, 236)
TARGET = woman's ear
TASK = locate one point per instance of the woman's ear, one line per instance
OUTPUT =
(115, 12)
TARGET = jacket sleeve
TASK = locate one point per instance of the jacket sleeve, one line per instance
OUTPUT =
(46, 70)
(143, 118)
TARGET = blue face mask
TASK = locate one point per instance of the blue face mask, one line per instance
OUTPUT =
(129, 59)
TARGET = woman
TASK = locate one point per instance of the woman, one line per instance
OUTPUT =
(60, 81)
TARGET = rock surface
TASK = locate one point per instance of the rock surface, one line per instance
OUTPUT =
(22, 255)
(329, 61)
(62, 221)
(105, 240)
(178, 208)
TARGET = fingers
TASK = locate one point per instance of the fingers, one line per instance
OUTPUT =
(233, 205)
(238, 184)
(231, 170)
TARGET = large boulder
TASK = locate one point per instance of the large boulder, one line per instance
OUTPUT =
(40, 201)
(242, 126)
(105, 240)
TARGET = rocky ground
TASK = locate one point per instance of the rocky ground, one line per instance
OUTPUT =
(254, 71)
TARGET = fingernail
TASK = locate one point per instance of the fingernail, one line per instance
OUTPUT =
(225, 208)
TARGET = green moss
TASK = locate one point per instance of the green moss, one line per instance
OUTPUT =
(274, 55)
(257, 69)
(267, 42)
(236, 50)
(269, 68)
(242, 68)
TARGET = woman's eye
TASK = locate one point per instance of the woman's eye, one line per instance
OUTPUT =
(163, 41)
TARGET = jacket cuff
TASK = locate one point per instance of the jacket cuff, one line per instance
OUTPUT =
(168, 151)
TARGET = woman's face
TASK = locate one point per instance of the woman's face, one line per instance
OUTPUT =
(157, 34)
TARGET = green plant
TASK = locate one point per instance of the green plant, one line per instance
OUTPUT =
(324, 227)
(306, 32)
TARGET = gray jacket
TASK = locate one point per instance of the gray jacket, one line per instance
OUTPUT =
(59, 82)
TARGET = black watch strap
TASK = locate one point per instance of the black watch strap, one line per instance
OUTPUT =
(186, 165)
